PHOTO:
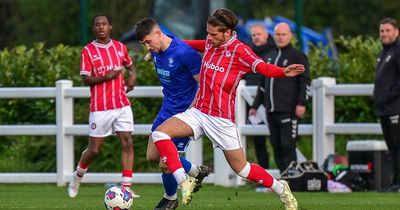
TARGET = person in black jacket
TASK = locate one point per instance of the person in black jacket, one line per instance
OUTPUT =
(284, 98)
(262, 44)
(386, 93)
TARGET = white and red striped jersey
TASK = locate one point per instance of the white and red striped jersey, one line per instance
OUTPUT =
(221, 70)
(96, 60)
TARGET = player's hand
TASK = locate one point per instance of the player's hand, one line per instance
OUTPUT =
(148, 57)
(113, 74)
(252, 111)
(294, 70)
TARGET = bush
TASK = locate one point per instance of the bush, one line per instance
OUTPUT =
(355, 64)
(41, 67)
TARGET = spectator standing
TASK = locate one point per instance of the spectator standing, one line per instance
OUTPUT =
(386, 93)
(262, 45)
(284, 98)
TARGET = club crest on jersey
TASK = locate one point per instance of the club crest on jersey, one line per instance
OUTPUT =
(170, 62)
(228, 54)
(213, 67)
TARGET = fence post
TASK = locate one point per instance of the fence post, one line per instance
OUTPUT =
(65, 143)
(194, 152)
(323, 115)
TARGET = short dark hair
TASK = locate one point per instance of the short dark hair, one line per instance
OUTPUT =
(101, 15)
(144, 27)
(390, 21)
(224, 18)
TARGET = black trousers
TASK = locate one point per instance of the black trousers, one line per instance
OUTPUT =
(283, 128)
(391, 132)
(260, 146)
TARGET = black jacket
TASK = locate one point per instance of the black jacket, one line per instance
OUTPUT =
(387, 81)
(262, 51)
(284, 94)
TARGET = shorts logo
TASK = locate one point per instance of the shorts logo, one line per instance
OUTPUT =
(213, 67)
(93, 126)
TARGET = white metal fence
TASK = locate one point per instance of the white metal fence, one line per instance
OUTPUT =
(323, 130)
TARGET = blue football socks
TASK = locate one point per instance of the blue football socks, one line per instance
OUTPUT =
(169, 182)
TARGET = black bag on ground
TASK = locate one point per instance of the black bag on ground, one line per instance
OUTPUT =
(305, 176)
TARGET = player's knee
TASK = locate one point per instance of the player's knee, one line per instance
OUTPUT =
(127, 145)
(159, 135)
(93, 151)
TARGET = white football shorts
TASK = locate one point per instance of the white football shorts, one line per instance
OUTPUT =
(222, 132)
(104, 123)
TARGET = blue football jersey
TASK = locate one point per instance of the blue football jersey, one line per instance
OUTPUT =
(175, 68)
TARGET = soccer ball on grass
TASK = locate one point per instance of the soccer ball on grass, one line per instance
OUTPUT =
(118, 198)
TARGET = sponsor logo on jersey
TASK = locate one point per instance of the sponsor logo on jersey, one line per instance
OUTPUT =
(102, 69)
(213, 67)
(163, 72)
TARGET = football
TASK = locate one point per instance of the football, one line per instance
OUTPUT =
(118, 198)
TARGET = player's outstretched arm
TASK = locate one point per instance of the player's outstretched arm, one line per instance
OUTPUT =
(198, 45)
(273, 71)
(294, 70)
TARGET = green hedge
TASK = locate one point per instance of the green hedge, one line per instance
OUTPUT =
(42, 67)
(355, 64)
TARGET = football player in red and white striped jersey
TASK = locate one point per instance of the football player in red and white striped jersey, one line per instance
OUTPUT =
(225, 61)
(102, 63)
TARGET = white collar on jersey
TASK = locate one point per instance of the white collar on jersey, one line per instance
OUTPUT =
(94, 42)
(232, 39)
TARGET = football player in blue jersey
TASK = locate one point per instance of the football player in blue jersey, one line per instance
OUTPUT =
(177, 66)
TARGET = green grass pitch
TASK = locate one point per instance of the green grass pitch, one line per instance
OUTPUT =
(49, 196)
